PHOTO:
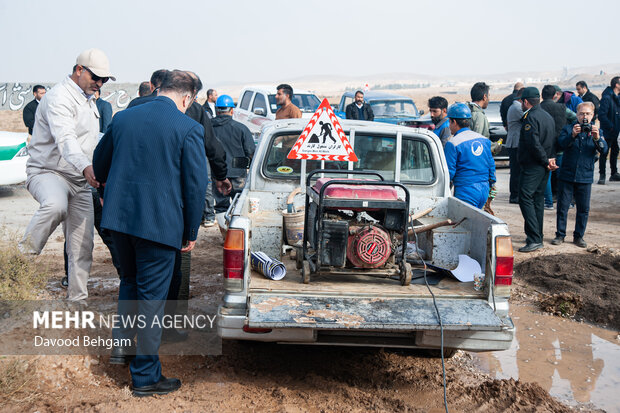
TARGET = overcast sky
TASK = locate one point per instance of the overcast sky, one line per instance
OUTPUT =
(245, 41)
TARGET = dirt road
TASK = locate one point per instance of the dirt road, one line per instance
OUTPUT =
(266, 377)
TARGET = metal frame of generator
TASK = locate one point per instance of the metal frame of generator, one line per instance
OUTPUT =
(337, 241)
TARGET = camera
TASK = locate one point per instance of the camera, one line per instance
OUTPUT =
(586, 127)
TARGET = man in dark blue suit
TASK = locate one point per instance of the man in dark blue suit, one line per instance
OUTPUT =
(152, 161)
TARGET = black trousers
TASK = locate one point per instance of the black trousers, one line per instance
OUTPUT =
(613, 156)
(515, 170)
(581, 193)
(532, 183)
(146, 272)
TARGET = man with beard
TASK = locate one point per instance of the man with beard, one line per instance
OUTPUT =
(359, 109)
(438, 108)
(479, 101)
(287, 109)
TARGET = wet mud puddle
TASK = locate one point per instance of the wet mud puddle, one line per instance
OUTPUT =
(576, 363)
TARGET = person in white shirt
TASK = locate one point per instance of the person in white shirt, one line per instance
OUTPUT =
(60, 171)
(209, 105)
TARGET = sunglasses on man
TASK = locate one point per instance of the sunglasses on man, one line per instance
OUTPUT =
(95, 77)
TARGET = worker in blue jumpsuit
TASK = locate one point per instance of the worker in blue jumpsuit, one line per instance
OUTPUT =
(469, 158)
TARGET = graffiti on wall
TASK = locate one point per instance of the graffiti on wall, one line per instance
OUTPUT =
(14, 96)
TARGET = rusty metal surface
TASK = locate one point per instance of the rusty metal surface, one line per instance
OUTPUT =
(294, 311)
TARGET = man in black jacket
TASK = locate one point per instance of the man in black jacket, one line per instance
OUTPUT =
(584, 93)
(237, 141)
(507, 101)
(359, 109)
(609, 116)
(31, 108)
(537, 158)
(558, 113)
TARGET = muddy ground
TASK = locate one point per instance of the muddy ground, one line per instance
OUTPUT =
(269, 377)
(584, 286)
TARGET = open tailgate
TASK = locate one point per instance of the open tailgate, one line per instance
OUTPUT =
(268, 310)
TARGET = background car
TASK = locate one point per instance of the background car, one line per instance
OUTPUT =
(13, 157)
(389, 108)
(496, 128)
(257, 105)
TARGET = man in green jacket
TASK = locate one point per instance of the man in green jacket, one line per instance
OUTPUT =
(479, 101)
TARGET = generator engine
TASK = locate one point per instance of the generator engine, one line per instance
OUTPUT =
(355, 226)
(369, 247)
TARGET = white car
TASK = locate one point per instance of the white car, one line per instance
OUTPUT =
(257, 106)
(13, 157)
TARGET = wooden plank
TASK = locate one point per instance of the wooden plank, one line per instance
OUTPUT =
(357, 285)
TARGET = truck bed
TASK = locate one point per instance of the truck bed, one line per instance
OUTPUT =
(357, 285)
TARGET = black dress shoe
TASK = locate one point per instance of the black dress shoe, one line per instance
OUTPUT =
(122, 355)
(163, 386)
(172, 335)
(557, 241)
(580, 242)
(531, 247)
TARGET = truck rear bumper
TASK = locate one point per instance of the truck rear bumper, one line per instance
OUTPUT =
(230, 327)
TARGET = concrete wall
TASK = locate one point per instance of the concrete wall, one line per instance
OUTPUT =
(14, 96)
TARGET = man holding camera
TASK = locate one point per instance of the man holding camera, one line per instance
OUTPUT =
(580, 142)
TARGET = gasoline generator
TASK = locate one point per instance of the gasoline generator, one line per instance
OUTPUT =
(355, 225)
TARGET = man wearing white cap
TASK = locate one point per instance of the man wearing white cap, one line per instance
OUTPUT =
(60, 170)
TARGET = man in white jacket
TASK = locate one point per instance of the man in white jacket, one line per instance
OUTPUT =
(60, 171)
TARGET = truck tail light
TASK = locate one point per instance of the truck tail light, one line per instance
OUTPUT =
(234, 259)
(256, 330)
(504, 262)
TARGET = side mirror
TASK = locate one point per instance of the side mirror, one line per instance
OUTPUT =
(259, 112)
(242, 162)
(422, 112)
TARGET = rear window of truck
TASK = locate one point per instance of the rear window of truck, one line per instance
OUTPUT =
(375, 153)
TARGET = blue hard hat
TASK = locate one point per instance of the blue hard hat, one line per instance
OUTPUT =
(224, 101)
(459, 111)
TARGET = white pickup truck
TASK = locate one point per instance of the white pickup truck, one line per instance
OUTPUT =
(336, 309)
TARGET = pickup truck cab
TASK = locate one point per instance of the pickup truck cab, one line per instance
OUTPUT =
(388, 108)
(257, 106)
(357, 310)
(13, 157)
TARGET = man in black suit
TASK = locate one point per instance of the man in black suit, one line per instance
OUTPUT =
(31, 108)
(209, 104)
(507, 102)
(359, 109)
(153, 162)
(584, 93)
(537, 157)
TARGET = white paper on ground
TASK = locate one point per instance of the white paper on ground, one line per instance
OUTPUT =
(464, 272)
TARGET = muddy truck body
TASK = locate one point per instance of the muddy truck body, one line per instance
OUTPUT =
(359, 310)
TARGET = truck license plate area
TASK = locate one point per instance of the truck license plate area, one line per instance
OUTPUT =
(364, 313)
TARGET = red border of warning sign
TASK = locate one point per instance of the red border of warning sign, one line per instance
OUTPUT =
(324, 106)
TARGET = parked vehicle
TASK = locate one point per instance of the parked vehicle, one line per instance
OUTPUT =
(347, 309)
(13, 157)
(257, 106)
(389, 108)
(496, 128)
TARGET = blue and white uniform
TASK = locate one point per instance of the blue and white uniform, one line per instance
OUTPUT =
(471, 166)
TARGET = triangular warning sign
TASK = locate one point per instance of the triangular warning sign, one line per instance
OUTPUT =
(323, 138)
